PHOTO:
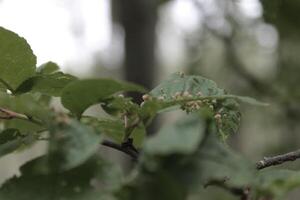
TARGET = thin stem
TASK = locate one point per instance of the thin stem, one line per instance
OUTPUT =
(129, 150)
(277, 160)
(8, 114)
(130, 128)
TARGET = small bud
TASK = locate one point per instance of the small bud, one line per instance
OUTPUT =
(186, 93)
(177, 95)
(214, 101)
(211, 107)
(218, 116)
(146, 97)
(121, 95)
(142, 104)
(199, 102)
(8, 91)
(161, 98)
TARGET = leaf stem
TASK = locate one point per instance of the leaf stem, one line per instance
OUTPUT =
(130, 128)
(8, 114)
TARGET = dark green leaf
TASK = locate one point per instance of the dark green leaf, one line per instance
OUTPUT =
(17, 61)
(192, 94)
(276, 184)
(183, 137)
(248, 100)
(115, 130)
(216, 162)
(176, 86)
(162, 185)
(9, 135)
(2, 87)
(11, 140)
(27, 104)
(189, 167)
(71, 144)
(117, 106)
(48, 84)
(94, 180)
(79, 95)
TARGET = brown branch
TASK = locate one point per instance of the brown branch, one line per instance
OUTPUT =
(277, 160)
(8, 115)
(126, 148)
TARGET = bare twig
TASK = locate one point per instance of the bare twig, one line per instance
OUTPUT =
(8, 114)
(125, 148)
(277, 160)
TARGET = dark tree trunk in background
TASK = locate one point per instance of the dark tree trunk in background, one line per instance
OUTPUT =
(138, 18)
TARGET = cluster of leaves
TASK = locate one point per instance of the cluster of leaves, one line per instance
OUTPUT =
(173, 164)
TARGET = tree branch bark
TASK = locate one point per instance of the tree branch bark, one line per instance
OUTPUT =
(125, 148)
(277, 160)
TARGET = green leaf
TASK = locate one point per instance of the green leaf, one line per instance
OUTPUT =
(27, 104)
(115, 130)
(196, 94)
(229, 118)
(2, 87)
(11, 140)
(249, 100)
(183, 137)
(48, 84)
(194, 164)
(116, 106)
(216, 162)
(94, 180)
(177, 171)
(138, 135)
(276, 184)
(8, 135)
(71, 144)
(162, 185)
(48, 68)
(80, 95)
(17, 61)
(175, 86)
(149, 110)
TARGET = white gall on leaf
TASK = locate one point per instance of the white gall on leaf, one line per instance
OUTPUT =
(146, 97)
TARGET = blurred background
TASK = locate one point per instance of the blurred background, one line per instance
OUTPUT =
(249, 47)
